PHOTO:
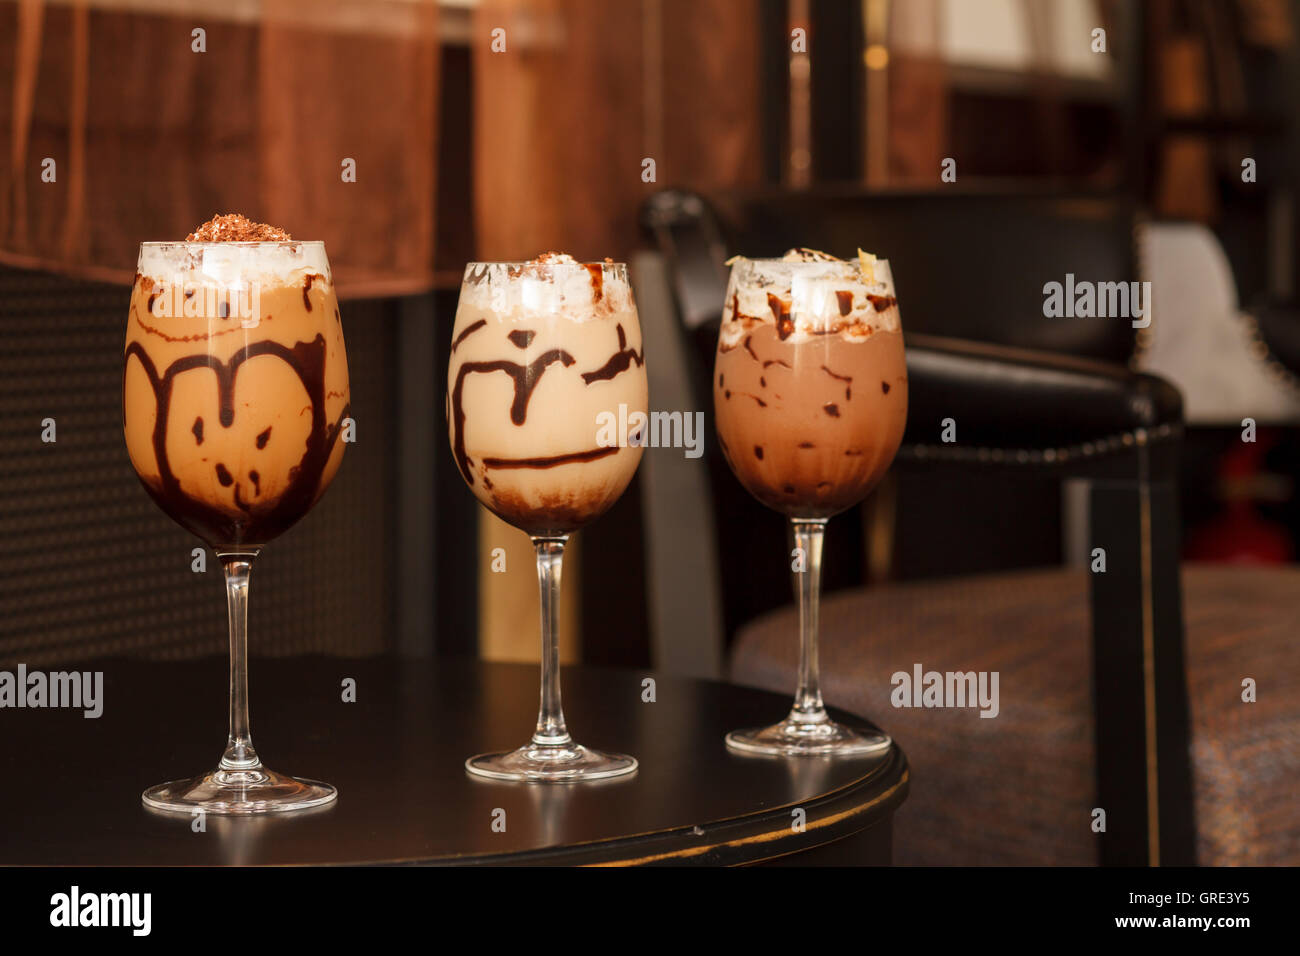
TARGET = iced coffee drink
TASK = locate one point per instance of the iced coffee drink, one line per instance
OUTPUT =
(810, 394)
(234, 398)
(541, 350)
(544, 355)
(236, 383)
(810, 385)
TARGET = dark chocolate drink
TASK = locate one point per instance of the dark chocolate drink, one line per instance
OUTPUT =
(810, 393)
(810, 383)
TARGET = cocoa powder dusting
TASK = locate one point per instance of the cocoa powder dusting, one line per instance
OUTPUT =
(232, 227)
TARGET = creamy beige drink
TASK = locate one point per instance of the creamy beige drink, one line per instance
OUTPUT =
(544, 355)
(236, 381)
(810, 382)
(540, 351)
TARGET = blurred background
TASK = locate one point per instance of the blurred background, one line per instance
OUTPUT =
(986, 147)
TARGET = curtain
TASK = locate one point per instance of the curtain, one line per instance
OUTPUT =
(150, 137)
(573, 97)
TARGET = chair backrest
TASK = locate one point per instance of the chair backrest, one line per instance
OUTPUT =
(683, 590)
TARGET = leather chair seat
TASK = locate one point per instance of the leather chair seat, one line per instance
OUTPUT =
(1019, 789)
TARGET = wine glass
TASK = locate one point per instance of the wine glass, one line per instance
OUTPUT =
(546, 372)
(810, 396)
(234, 393)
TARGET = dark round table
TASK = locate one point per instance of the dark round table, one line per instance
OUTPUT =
(396, 755)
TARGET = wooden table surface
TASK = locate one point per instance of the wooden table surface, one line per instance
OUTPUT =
(71, 792)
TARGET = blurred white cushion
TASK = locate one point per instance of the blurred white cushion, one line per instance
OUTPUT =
(1198, 339)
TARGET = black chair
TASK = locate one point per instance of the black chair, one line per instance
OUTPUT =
(972, 267)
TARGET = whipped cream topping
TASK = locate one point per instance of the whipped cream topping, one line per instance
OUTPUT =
(807, 293)
(807, 255)
(233, 264)
(552, 284)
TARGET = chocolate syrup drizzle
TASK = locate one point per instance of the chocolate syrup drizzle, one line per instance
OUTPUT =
(597, 273)
(215, 526)
(781, 312)
(468, 331)
(618, 363)
(525, 379)
(846, 379)
(306, 287)
(551, 461)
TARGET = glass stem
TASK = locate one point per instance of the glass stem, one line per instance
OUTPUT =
(808, 707)
(551, 731)
(239, 754)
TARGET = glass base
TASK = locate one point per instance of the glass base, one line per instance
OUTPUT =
(795, 738)
(260, 790)
(537, 763)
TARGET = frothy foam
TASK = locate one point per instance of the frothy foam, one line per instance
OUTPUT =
(807, 293)
(550, 285)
